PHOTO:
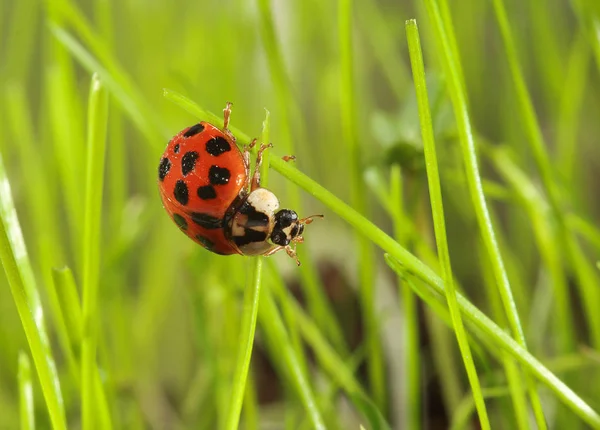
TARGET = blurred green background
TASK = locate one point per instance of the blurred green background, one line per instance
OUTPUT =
(169, 312)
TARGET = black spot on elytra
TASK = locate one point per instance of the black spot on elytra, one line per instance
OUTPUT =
(218, 175)
(188, 162)
(193, 130)
(207, 192)
(176, 149)
(217, 145)
(207, 243)
(163, 168)
(209, 222)
(181, 192)
(255, 218)
(250, 236)
(180, 221)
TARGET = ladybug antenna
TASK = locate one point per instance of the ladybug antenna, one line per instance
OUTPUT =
(310, 219)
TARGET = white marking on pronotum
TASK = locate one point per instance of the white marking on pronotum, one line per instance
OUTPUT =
(263, 201)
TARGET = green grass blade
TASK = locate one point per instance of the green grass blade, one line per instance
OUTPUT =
(538, 211)
(437, 208)
(366, 271)
(459, 102)
(272, 323)
(26, 406)
(17, 267)
(412, 345)
(69, 303)
(288, 110)
(433, 292)
(462, 414)
(535, 139)
(96, 149)
(335, 366)
(570, 106)
(131, 102)
(249, 315)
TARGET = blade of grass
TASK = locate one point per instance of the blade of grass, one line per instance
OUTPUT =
(412, 388)
(538, 212)
(511, 368)
(70, 308)
(289, 108)
(367, 291)
(26, 405)
(249, 315)
(68, 150)
(19, 273)
(117, 84)
(331, 361)
(39, 200)
(272, 324)
(462, 415)
(437, 209)
(69, 303)
(587, 279)
(459, 102)
(96, 149)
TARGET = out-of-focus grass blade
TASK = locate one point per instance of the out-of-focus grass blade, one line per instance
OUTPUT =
(272, 324)
(96, 150)
(66, 291)
(17, 267)
(351, 136)
(131, 103)
(26, 406)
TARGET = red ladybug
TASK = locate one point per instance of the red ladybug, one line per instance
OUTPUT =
(206, 188)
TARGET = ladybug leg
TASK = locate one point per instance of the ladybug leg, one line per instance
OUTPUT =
(292, 253)
(246, 155)
(256, 176)
(288, 249)
(226, 115)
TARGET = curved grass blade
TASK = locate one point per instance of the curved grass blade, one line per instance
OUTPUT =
(19, 273)
(96, 149)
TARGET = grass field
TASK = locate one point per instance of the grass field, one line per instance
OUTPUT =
(453, 148)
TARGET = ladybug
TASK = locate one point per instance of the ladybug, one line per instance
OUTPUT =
(206, 188)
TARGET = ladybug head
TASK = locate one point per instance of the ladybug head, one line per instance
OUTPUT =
(288, 228)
